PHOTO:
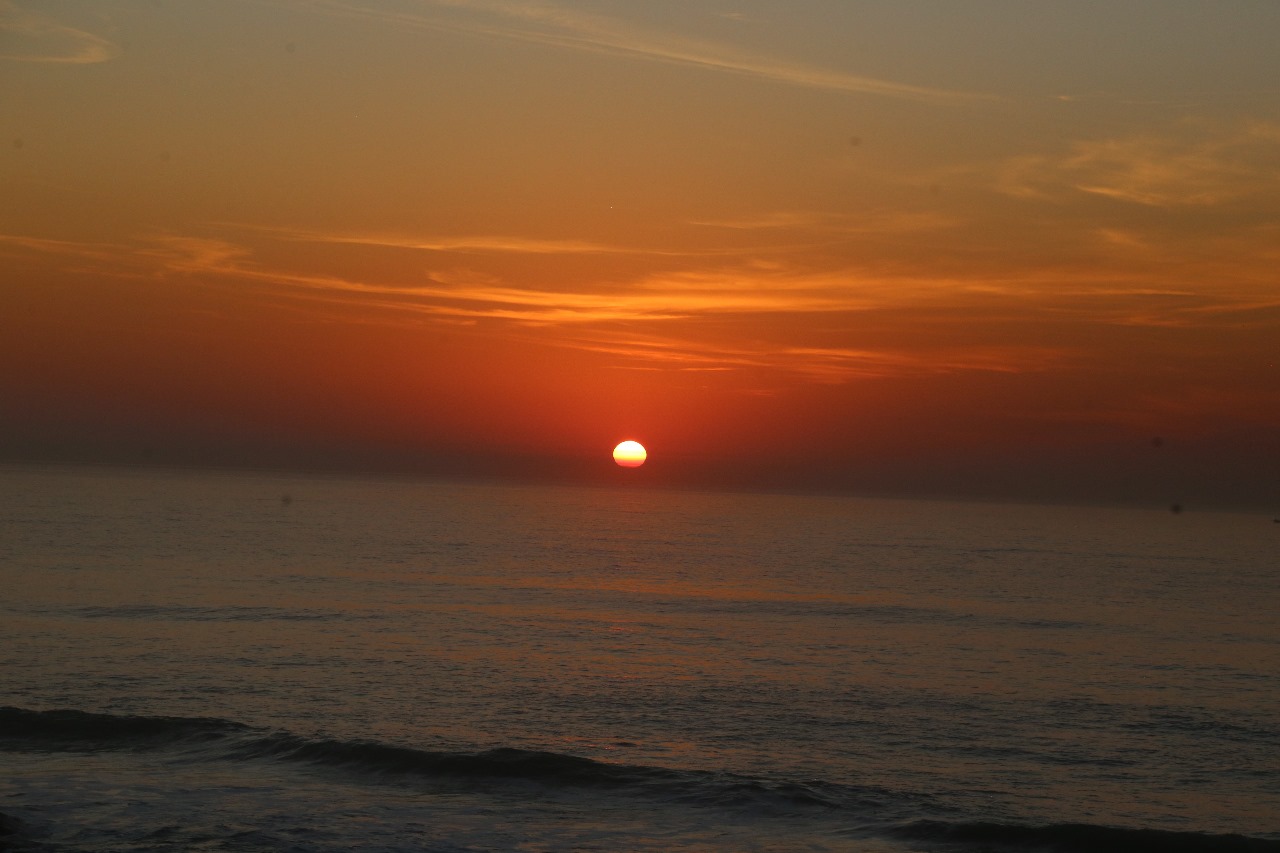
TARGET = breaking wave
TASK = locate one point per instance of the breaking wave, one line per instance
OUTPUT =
(1072, 837)
(864, 810)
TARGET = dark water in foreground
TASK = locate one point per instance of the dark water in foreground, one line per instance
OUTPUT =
(190, 662)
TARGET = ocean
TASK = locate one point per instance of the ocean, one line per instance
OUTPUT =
(254, 662)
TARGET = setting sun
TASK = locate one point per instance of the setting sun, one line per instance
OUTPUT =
(630, 454)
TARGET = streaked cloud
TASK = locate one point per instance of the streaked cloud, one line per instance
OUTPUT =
(603, 319)
(45, 245)
(840, 363)
(559, 26)
(463, 243)
(35, 37)
(877, 222)
(603, 316)
(500, 244)
(195, 254)
(817, 364)
(1191, 165)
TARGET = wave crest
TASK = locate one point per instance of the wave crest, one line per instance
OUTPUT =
(1072, 837)
(72, 730)
(863, 810)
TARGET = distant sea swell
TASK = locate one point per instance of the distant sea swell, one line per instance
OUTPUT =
(876, 811)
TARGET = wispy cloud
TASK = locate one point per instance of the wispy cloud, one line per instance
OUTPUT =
(626, 318)
(32, 37)
(838, 364)
(436, 243)
(72, 248)
(650, 350)
(475, 297)
(501, 244)
(817, 364)
(560, 26)
(1192, 165)
(195, 254)
(743, 289)
(881, 222)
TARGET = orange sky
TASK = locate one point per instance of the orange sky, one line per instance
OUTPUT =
(989, 248)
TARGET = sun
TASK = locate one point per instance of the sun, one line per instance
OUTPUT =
(630, 454)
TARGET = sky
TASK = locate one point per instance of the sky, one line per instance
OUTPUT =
(1025, 250)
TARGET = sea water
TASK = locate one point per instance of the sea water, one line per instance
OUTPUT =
(245, 662)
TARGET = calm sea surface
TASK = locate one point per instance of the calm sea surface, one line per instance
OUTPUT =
(260, 663)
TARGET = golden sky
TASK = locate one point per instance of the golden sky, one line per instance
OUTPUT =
(1009, 248)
